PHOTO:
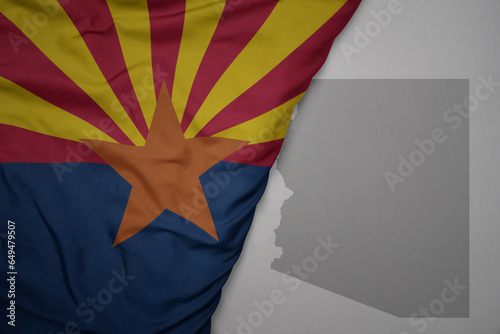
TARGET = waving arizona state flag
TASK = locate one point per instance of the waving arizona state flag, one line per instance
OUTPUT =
(136, 137)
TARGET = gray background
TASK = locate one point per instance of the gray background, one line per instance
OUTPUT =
(428, 39)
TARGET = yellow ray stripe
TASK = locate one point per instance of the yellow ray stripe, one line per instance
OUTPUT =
(132, 24)
(267, 127)
(23, 109)
(200, 21)
(290, 24)
(57, 37)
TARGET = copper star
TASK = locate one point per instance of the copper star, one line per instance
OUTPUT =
(164, 173)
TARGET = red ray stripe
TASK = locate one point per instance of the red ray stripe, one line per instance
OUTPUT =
(21, 145)
(240, 21)
(95, 23)
(287, 80)
(263, 154)
(167, 22)
(24, 64)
